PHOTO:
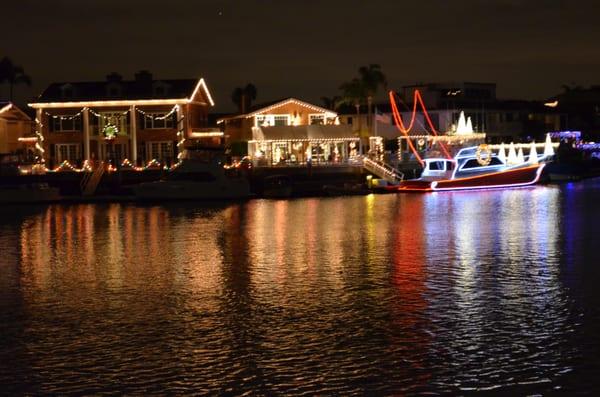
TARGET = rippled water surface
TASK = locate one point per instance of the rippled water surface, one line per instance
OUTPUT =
(383, 294)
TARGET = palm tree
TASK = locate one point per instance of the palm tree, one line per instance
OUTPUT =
(372, 78)
(331, 103)
(12, 74)
(243, 97)
(354, 93)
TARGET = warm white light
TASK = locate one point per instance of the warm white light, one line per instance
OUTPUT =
(210, 134)
(548, 149)
(502, 153)
(533, 157)
(5, 108)
(465, 127)
(520, 156)
(512, 154)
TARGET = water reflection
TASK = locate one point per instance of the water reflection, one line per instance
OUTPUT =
(372, 294)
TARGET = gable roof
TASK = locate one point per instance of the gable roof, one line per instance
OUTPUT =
(9, 109)
(268, 106)
(123, 92)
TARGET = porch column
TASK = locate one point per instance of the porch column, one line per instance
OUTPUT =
(86, 134)
(39, 129)
(181, 127)
(133, 126)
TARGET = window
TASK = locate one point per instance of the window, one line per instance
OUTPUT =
(473, 163)
(316, 119)
(267, 120)
(436, 166)
(157, 121)
(66, 123)
(67, 151)
(160, 150)
(280, 120)
(260, 121)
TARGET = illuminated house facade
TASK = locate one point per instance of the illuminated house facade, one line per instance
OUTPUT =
(292, 132)
(15, 125)
(138, 120)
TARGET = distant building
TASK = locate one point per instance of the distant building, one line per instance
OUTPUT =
(138, 120)
(582, 109)
(501, 120)
(14, 126)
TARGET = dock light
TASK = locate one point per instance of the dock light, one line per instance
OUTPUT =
(369, 181)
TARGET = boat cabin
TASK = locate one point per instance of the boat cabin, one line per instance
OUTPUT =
(438, 168)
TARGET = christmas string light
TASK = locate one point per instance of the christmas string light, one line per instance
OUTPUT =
(167, 115)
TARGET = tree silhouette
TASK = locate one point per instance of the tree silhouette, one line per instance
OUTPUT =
(354, 93)
(363, 89)
(243, 97)
(331, 103)
(372, 78)
(13, 75)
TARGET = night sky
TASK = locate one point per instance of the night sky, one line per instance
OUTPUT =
(306, 48)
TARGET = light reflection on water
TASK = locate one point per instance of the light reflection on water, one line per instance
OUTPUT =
(385, 294)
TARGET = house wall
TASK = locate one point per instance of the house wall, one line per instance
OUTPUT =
(194, 116)
(11, 130)
(240, 129)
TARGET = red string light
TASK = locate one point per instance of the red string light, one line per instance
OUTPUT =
(405, 130)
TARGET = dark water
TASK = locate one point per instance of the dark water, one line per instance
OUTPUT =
(392, 294)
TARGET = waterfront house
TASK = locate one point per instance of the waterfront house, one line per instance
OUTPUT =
(292, 132)
(15, 125)
(139, 120)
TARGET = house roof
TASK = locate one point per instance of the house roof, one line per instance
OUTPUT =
(268, 106)
(118, 92)
(9, 110)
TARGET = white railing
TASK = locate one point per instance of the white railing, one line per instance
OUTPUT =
(383, 170)
(91, 180)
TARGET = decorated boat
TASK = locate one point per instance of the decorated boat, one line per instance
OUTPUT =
(481, 167)
(463, 161)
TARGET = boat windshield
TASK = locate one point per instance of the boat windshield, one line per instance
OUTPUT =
(473, 163)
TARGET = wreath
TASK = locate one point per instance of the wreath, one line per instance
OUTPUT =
(110, 131)
(485, 159)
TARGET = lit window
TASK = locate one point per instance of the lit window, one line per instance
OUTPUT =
(317, 119)
(66, 123)
(157, 121)
(280, 120)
